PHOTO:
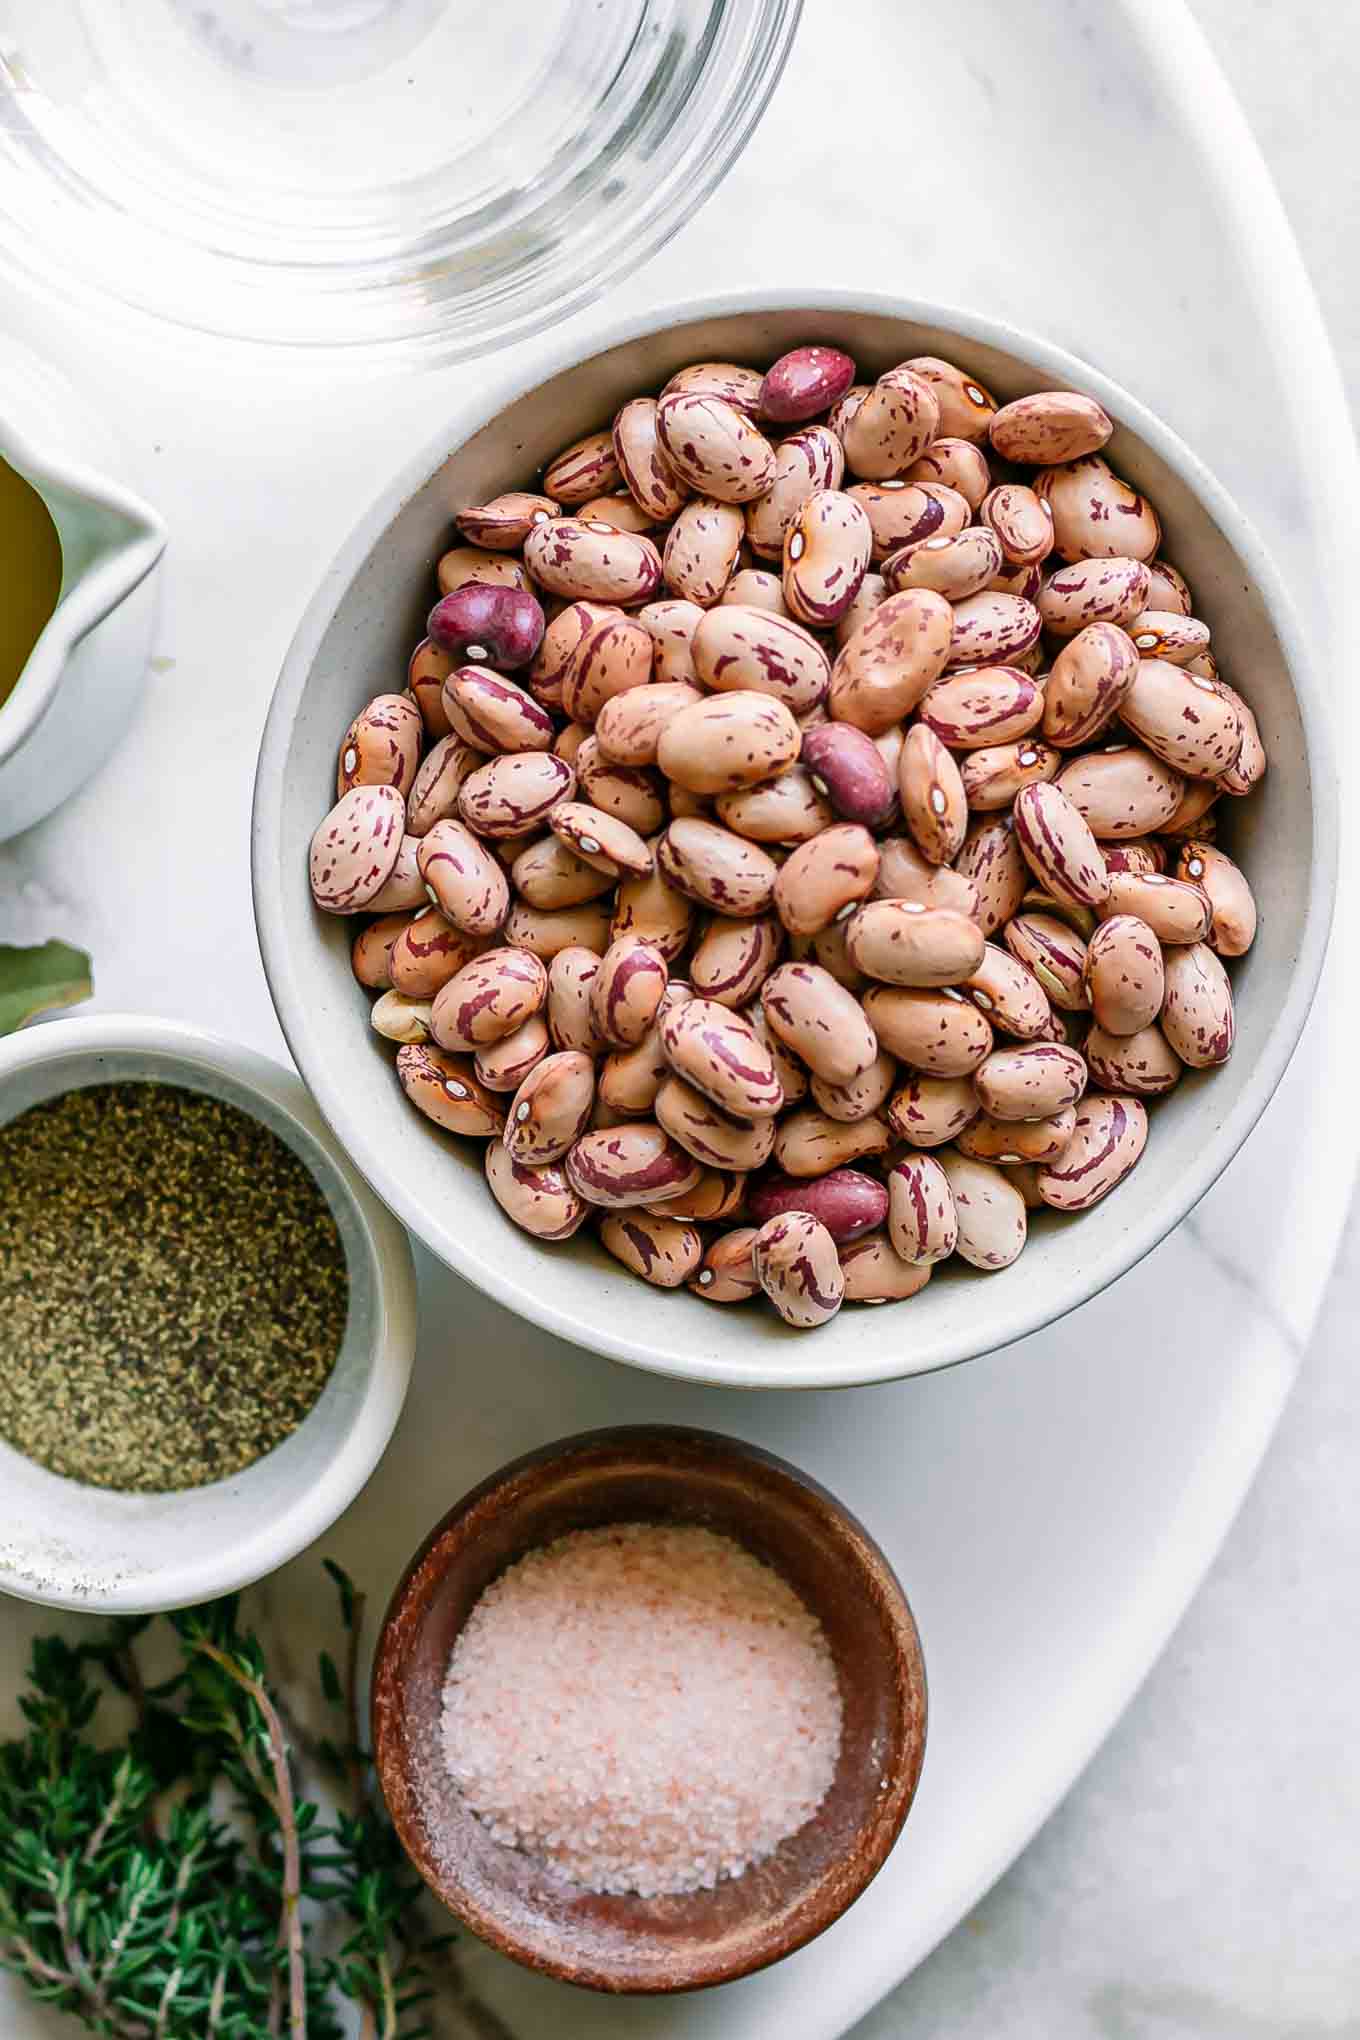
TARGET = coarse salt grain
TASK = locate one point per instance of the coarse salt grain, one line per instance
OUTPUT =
(646, 1706)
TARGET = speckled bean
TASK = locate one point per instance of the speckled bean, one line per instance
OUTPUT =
(728, 741)
(730, 380)
(382, 746)
(620, 1166)
(796, 1264)
(874, 1273)
(1122, 792)
(903, 513)
(733, 959)
(993, 1223)
(991, 859)
(885, 669)
(403, 885)
(427, 670)
(708, 1133)
(982, 708)
(824, 878)
(1165, 634)
(1008, 1141)
(748, 650)
(714, 868)
(1232, 906)
(923, 1225)
(1248, 768)
(427, 952)
(934, 801)
(1007, 991)
(936, 1032)
(702, 549)
(468, 563)
(1091, 676)
(463, 879)
(1055, 956)
(1175, 909)
(714, 446)
(1124, 976)
(826, 553)
(592, 561)
(503, 1065)
(803, 463)
(1112, 590)
(505, 522)
(546, 931)
(728, 1274)
(719, 1194)
(958, 463)
(1110, 1135)
(863, 1095)
(955, 565)
(641, 459)
(893, 425)
(967, 407)
(1022, 521)
(1197, 1014)
(809, 1143)
(627, 990)
(447, 1090)
(1144, 1063)
(493, 713)
(356, 847)
(1096, 515)
(488, 999)
(928, 1111)
(664, 1251)
(585, 468)
(1031, 1082)
(371, 950)
(1185, 720)
(1059, 847)
(514, 794)
(899, 942)
(992, 630)
(653, 909)
(1048, 427)
(572, 975)
(818, 1019)
(786, 810)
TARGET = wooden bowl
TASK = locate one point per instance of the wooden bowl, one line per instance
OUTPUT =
(655, 1474)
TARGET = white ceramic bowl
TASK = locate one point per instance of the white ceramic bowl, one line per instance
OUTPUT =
(355, 639)
(73, 1546)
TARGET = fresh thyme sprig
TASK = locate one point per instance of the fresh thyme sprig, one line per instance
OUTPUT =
(179, 1887)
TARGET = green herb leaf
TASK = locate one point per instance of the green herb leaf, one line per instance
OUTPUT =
(40, 979)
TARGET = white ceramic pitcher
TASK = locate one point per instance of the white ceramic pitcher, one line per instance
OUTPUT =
(80, 686)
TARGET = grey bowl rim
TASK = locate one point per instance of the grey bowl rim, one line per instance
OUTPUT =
(1065, 370)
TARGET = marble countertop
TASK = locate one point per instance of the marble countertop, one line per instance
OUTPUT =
(1202, 1881)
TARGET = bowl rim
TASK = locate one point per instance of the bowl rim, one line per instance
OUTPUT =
(1027, 1315)
(513, 1483)
(310, 1511)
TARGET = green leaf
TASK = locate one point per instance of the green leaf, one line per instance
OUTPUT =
(40, 979)
(330, 1680)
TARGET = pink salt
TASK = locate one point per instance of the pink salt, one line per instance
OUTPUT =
(647, 1707)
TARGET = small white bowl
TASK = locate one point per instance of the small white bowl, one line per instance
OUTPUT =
(72, 1546)
(355, 639)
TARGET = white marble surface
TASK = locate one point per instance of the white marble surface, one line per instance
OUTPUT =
(1193, 1884)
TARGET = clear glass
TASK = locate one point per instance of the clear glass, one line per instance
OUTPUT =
(436, 176)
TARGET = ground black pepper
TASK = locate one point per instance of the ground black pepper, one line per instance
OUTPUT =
(173, 1289)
